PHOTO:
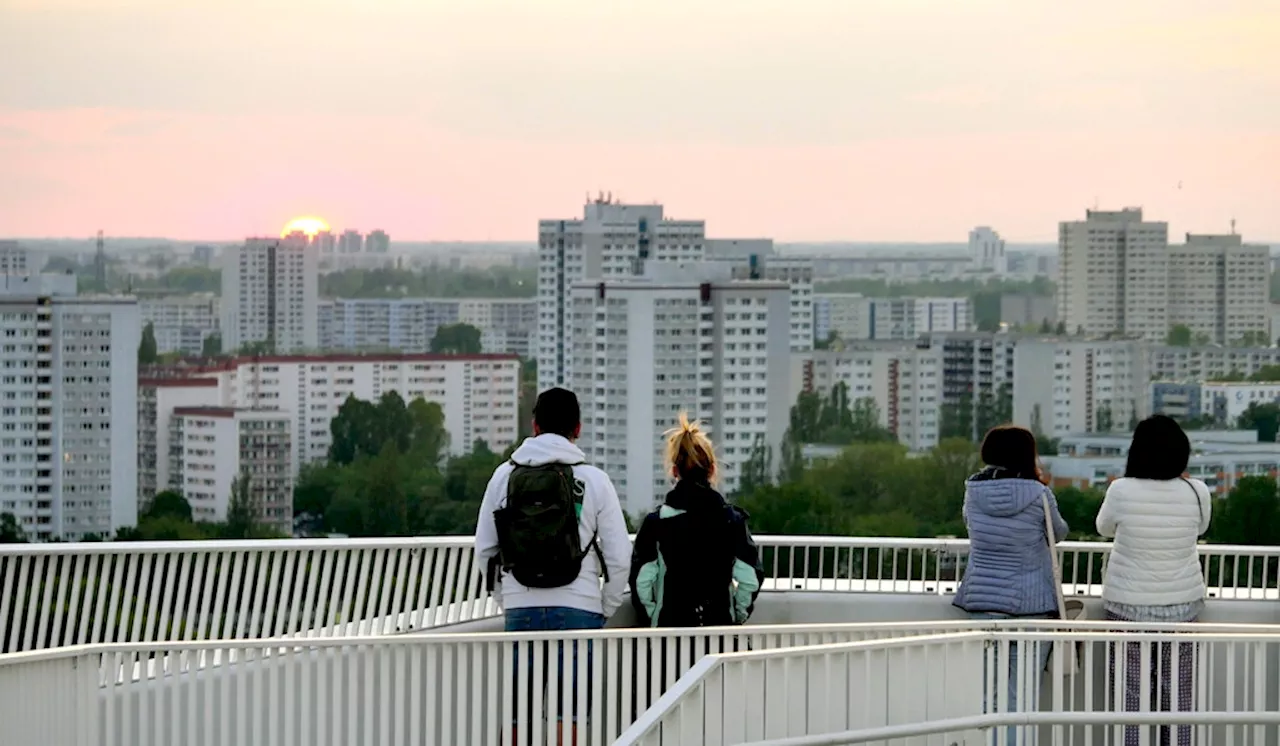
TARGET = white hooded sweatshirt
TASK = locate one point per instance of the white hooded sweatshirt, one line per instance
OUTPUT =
(601, 520)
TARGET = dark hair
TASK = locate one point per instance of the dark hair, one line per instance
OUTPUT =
(1013, 448)
(1160, 450)
(556, 411)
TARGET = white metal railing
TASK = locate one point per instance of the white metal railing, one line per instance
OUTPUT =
(70, 594)
(431, 688)
(75, 594)
(984, 729)
(770, 696)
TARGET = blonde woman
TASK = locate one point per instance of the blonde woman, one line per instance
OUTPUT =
(694, 563)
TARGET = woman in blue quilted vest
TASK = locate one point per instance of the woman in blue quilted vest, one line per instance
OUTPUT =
(1010, 571)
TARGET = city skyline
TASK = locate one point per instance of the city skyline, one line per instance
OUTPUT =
(911, 121)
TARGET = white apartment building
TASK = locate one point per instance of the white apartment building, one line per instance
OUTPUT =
(681, 337)
(1114, 274)
(1062, 387)
(851, 316)
(611, 240)
(941, 315)
(409, 324)
(181, 322)
(270, 292)
(986, 249)
(1230, 400)
(377, 242)
(755, 259)
(478, 393)
(1219, 288)
(905, 382)
(15, 259)
(350, 242)
(1168, 363)
(68, 408)
(212, 448)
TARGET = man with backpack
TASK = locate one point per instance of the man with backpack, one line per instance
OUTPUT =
(551, 526)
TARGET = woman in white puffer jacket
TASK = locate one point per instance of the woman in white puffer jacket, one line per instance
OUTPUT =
(1153, 575)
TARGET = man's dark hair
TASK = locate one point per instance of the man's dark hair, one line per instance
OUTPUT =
(1160, 450)
(1013, 448)
(556, 411)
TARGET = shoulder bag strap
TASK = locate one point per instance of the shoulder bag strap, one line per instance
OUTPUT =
(1053, 555)
(1196, 493)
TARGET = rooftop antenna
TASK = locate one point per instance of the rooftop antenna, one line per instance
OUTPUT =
(100, 264)
(1233, 226)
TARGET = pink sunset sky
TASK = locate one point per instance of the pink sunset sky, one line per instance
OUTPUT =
(896, 120)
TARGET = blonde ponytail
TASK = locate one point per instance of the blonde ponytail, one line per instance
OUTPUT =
(690, 454)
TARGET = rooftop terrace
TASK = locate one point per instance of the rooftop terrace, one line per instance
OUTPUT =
(390, 641)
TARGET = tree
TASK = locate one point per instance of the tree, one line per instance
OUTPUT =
(1250, 514)
(1179, 336)
(1079, 508)
(1103, 420)
(757, 470)
(147, 354)
(211, 346)
(1061, 329)
(457, 339)
(1045, 326)
(168, 504)
(1266, 374)
(243, 510)
(955, 419)
(1253, 339)
(10, 531)
(1265, 418)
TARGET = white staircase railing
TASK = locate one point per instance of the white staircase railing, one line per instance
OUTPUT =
(834, 694)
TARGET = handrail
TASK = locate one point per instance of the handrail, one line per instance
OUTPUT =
(982, 722)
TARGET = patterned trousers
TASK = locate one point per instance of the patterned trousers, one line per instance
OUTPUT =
(1160, 676)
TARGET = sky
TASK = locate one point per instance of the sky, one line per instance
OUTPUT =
(802, 120)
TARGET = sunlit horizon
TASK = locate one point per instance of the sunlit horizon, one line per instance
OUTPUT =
(309, 225)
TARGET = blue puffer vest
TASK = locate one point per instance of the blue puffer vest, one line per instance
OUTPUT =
(1009, 570)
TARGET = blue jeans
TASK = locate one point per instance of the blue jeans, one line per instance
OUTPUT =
(1031, 689)
(544, 618)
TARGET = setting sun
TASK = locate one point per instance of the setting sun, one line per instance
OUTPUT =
(308, 225)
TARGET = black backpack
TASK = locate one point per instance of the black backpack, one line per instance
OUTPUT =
(538, 541)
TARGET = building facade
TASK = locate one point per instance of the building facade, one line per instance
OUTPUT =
(904, 380)
(1114, 275)
(1062, 387)
(1219, 288)
(682, 337)
(181, 322)
(218, 454)
(15, 259)
(851, 317)
(986, 250)
(507, 325)
(68, 409)
(612, 240)
(478, 394)
(270, 295)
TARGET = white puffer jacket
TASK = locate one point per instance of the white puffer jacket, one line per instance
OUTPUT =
(1156, 524)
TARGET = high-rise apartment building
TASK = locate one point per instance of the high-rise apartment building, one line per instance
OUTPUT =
(377, 242)
(986, 249)
(1208, 363)
(681, 337)
(1114, 275)
(1118, 274)
(350, 242)
(1063, 387)
(409, 324)
(755, 259)
(612, 240)
(15, 259)
(270, 292)
(68, 408)
(851, 317)
(181, 322)
(1219, 288)
(215, 451)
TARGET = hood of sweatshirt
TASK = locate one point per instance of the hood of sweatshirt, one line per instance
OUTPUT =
(694, 497)
(1003, 497)
(548, 448)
